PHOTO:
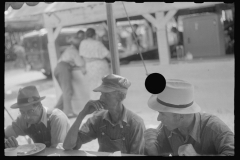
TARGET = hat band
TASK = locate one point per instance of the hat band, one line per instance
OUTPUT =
(27, 100)
(173, 105)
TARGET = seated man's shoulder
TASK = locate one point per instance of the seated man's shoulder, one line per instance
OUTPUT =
(56, 113)
(214, 123)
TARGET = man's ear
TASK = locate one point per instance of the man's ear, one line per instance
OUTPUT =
(181, 117)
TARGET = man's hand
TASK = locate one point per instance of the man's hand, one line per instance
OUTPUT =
(187, 150)
(10, 142)
(92, 106)
(150, 136)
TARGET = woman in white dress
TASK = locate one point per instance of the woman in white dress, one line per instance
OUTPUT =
(96, 56)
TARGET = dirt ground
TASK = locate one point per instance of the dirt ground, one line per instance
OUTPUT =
(214, 90)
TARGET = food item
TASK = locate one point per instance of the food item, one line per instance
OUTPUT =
(26, 149)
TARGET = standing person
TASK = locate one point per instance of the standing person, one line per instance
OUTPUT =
(136, 37)
(183, 129)
(81, 92)
(41, 124)
(21, 55)
(95, 55)
(115, 127)
(80, 35)
(69, 60)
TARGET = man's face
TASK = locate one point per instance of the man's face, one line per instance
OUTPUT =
(110, 98)
(170, 120)
(31, 114)
(80, 36)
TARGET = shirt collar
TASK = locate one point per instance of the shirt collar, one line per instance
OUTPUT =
(195, 131)
(124, 116)
(43, 118)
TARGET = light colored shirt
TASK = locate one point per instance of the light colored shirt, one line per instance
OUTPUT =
(90, 48)
(59, 126)
(71, 56)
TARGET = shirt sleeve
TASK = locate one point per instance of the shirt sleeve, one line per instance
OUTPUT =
(17, 128)
(137, 138)
(151, 143)
(59, 127)
(102, 50)
(87, 132)
(224, 143)
(223, 137)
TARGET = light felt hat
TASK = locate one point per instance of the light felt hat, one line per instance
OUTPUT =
(27, 96)
(177, 97)
(112, 83)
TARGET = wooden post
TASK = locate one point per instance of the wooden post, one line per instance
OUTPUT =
(53, 59)
(112, 39)
(163, 48)
(160, 23)
(52, 52)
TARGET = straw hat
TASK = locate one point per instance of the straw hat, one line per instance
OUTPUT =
(177, 97)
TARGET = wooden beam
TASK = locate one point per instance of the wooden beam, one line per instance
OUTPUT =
(98, 13)
(56, 32)
(151, 19)
(168, 16)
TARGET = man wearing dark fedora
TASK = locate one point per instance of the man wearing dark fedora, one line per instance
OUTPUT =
(41, 124)
(115, 127)
(184, 130)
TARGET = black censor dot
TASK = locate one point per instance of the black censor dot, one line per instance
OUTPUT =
(155, 83)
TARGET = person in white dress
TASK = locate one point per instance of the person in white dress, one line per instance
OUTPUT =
(97, 58)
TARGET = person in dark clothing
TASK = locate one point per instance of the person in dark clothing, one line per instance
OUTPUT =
(135, 37)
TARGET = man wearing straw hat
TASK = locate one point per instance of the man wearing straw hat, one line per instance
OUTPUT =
(183, 129)
(115, 127)
(39, 123)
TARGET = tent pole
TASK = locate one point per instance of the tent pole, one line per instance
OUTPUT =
(112, 39)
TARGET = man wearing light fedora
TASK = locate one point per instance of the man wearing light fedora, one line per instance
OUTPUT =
(184, 130)
(41, 124)
(115, 127)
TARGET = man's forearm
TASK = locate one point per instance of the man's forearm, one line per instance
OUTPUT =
(72, 135)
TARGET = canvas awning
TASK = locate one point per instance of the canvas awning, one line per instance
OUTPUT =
(25, 17)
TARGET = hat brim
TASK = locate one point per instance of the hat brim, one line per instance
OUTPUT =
(16, 105)
(153, 104)
(103, 88)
